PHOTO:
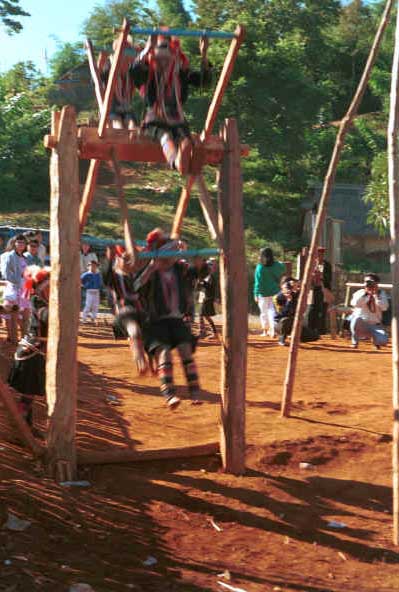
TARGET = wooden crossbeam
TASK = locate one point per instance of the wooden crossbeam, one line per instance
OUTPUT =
(100, 457)
(131, 146)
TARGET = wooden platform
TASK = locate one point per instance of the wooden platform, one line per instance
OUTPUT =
(133, 146)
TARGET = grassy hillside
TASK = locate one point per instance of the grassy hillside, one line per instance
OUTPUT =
(152, 194)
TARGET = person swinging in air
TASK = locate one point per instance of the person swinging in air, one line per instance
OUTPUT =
(122, 115)
(163, 74)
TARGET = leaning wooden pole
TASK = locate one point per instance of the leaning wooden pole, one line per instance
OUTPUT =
(322, 211)
(127, 229)
(62, 366)
(210, 121)
(234, 292)
(393, 181)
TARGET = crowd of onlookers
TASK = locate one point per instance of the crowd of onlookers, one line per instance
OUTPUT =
(277, 297)
(155, 301)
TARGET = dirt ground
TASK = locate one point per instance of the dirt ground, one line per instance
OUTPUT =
(273, 529)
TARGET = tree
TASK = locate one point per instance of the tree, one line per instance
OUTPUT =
(173, 14)
(67, 57)
(10, 12)
(104, 20)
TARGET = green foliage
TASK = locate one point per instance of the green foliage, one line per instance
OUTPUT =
(173, 13)
(101, 25)
(295, 75)
(10, 13)
(377, 194)
(23, 122)
(67, 57)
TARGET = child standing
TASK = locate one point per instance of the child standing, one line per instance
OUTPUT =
(92, 283)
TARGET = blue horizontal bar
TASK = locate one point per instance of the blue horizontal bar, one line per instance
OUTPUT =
(183, 33)
(159, 254)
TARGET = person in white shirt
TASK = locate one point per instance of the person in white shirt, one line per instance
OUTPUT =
(41, 251)
(86, 256)
(366, 321)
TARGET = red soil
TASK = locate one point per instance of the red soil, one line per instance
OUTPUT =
(274, 521)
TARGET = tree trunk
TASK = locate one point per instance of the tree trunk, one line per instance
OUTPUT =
(234, 291)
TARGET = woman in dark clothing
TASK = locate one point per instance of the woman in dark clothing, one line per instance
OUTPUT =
(28, 371)
(207, 290)
(162, 71)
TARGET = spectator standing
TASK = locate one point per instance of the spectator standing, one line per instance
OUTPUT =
(13, 264)
(321, 291)
(268, 274)
(207, 292)
(86, 256)
(366, 321)
(41, 249)
(92, 283)
(285, 303)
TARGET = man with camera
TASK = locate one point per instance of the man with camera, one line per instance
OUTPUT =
(366, 321)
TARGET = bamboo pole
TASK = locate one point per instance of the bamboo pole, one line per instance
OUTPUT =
(393, 181)
(325, 197)
(234, 292)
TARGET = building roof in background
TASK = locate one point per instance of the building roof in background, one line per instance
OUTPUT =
(347, 204)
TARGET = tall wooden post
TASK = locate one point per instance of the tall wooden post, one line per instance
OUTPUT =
(234, 292)
(62, 366)
(393, 179)
(322, 211)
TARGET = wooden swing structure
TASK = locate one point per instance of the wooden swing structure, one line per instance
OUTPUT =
(68, 216)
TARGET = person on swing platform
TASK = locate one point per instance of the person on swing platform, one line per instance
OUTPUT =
(165, 288)
(122, 115)
(163, 74)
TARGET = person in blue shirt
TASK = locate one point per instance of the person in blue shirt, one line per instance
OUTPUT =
(92, 282)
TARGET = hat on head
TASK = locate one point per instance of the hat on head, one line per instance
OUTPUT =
(321, 248)
(119, 250)
(156, 238)
(371, 278)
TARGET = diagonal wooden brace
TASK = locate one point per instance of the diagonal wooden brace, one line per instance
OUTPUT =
(213, 111)
(127, 230)
(208, 210)
(113, 76)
